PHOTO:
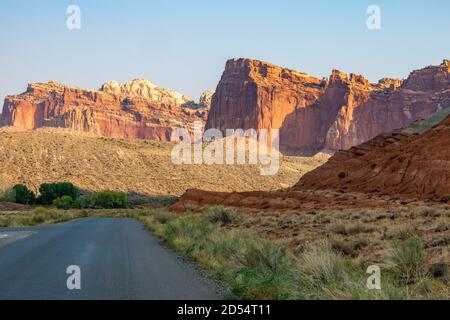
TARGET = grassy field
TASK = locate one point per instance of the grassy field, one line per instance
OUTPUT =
(261, 265)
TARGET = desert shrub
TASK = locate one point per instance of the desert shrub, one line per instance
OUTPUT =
(439, 270)
(64, 202)
(20, 194)
(445, 198)
(51, 191)
(102, 200)
(8, 195)
(261, 269)
(162, 216)
(84, 202)
(401, 232)
(348, 247)
(429, 288)
(165, 201)
(320, 265)
(350, 229)
(5, 221)
(442, 227)
(431, 212)
(408, 257)
(342, 175)
(219, 214)
(158, 201)
(110, 200)
(40, 210)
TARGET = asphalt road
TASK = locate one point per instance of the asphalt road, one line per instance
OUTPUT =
(118, 259)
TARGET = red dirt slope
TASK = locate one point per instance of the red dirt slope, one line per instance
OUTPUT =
(401, 164)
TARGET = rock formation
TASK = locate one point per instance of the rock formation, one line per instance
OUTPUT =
(142, 88)
(312, 113)
(137, 109)
(405, 164)
(205, 99)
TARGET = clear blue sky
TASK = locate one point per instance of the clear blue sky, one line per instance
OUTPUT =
(184, 44)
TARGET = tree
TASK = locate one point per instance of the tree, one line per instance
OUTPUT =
(51, 191)
(22, 194)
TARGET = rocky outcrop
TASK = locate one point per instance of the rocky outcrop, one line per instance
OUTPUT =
(142, 88)
(206, 98)
(312, 113)
(405, 163)
(137, 109)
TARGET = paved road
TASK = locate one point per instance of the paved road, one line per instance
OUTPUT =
(118, 259)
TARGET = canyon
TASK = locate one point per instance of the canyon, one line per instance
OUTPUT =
(312, 114)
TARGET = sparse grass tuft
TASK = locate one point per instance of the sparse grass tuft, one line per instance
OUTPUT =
(402, 232)
(348, 247)
(219, 214)
(408, 258)
(321, 265)
(350, 229)
(162, 216)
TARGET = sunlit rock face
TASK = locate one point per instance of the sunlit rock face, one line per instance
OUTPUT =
(137, 109)
(339, 112)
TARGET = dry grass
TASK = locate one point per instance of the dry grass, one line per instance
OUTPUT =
(365, 234)
(96, 163)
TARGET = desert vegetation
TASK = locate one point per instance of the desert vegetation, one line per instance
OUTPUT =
(141, 166)
(313, 254)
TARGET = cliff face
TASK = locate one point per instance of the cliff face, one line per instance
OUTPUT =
(312, 113)
(134, 110)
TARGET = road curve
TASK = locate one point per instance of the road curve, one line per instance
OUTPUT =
(118, 259)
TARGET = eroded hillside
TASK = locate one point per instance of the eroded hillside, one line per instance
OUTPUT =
(97, 163)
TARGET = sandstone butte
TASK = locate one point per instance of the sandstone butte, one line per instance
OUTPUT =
(137, 109)
(387, 170)
(313, 114)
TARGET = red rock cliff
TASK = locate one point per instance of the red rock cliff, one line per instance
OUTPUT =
(110, 114)
(312, 113)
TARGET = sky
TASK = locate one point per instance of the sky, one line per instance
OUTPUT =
(184, 44)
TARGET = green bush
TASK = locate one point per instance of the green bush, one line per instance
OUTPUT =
(102, 200)
(110, 200)
(83, 202)
(8, 195)
(64, 202)
(21, 194)
(51, 191)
